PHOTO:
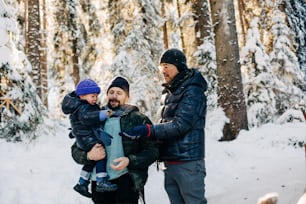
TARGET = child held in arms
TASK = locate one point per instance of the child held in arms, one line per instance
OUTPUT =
(86, 119)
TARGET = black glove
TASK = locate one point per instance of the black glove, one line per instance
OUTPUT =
(103, 136)
(137, 132)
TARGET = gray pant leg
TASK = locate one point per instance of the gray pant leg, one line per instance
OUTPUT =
(184, 182)
(172, 188)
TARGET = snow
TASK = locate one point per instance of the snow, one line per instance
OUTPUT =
(263, 160)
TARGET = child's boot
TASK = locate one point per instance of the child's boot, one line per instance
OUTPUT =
(82, 189)
(104, 184)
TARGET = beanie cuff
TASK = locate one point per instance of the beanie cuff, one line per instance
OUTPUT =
(87, 90)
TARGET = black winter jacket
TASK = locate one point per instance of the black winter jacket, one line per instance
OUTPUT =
(141, 153)
(84, 119)
(181, 129)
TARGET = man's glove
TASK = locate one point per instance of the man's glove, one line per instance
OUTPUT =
(103, 136)
(137, 132)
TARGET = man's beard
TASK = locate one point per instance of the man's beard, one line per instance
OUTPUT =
(114, 107)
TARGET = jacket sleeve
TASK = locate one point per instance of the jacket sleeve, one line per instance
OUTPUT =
(189, 109)
(148, 153)
(78, 155)
(88, 115)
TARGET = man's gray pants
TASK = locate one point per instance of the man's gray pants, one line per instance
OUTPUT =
(184, 182)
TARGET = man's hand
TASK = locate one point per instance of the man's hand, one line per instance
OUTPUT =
(137, 132)
(96, 153)
(120, 163)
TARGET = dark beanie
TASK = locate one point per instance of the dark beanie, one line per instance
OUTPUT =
(121, 83)
(87, 86)
(175, 57)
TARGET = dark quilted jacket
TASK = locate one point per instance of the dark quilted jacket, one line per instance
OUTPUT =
(181, 128)
(141, 153)
(84, 118)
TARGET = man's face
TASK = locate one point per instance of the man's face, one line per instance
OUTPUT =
(169, 71)
(116, 97)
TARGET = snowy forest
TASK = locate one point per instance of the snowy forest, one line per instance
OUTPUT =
(251, 52)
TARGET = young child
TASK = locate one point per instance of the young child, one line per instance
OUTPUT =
(86, 119)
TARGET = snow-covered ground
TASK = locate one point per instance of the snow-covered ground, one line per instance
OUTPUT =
(259, 161)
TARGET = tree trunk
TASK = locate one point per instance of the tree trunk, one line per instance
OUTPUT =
(242, 19)
(33, 40)
(230, 89)
(178, 7)
(75, 62)
(165, 32)
(44, 67)
(72, 25)
(201, 11)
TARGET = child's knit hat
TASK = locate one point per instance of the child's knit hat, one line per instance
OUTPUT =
(87, 86)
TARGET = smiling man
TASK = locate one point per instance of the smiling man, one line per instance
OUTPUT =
(127, 160)
(180, 132)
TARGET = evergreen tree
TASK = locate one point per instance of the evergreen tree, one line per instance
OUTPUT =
(290, 78)
(67, 44)
(206, 58)
(258, 79)
(296, 13)
(282, 45)
(137, 47)
(90, 31)
(205, 54)
(21, 109)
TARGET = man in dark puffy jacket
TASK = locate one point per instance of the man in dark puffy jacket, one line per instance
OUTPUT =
(128, 159)
(181, 130)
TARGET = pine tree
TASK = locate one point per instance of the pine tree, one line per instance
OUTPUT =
(22, 109)
(67, 46)
(279, 42)
(206, 59)
(137, 46)
(296, 13)
(205, 54)
(290, 78)
(259, 79)
(90, 31)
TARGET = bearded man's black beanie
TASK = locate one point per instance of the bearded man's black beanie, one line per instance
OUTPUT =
(121, 83)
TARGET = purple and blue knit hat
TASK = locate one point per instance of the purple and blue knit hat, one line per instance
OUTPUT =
(87, 86)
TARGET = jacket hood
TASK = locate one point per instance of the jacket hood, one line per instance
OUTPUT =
(70, 103)
(198, 80)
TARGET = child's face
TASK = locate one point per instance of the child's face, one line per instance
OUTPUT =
(90, 98)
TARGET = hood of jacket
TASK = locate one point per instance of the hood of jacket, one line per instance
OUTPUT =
(71, 102)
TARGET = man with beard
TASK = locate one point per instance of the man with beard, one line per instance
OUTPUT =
(128, 160)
